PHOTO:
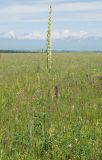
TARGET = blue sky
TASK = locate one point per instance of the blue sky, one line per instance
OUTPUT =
(77, 24)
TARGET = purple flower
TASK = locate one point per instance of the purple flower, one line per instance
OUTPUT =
(56, 91)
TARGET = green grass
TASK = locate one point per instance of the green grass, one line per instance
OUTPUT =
(34, 124)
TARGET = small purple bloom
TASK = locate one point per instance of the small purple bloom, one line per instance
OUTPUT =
(5, 141)
(56, 91)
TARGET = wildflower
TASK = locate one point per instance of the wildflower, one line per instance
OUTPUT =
(56, 92)
(5, 142)
(49, 43)
(73, 107)
(70, 145)
(99, 77)
(76, 140)
(64, 129)
(51, 130)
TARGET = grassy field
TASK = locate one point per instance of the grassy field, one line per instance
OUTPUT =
(34, 124)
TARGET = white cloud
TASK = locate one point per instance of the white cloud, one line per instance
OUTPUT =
(8, 35)
(68, 34)
(14, 11)
(44, 7)
(29, 36)
(65, 34)
(78, 6)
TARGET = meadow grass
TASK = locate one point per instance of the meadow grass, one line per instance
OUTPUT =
(34, 124)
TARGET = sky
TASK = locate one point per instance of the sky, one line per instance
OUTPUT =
(76, 24)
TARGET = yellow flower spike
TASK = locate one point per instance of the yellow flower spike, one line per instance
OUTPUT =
(49, 42)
